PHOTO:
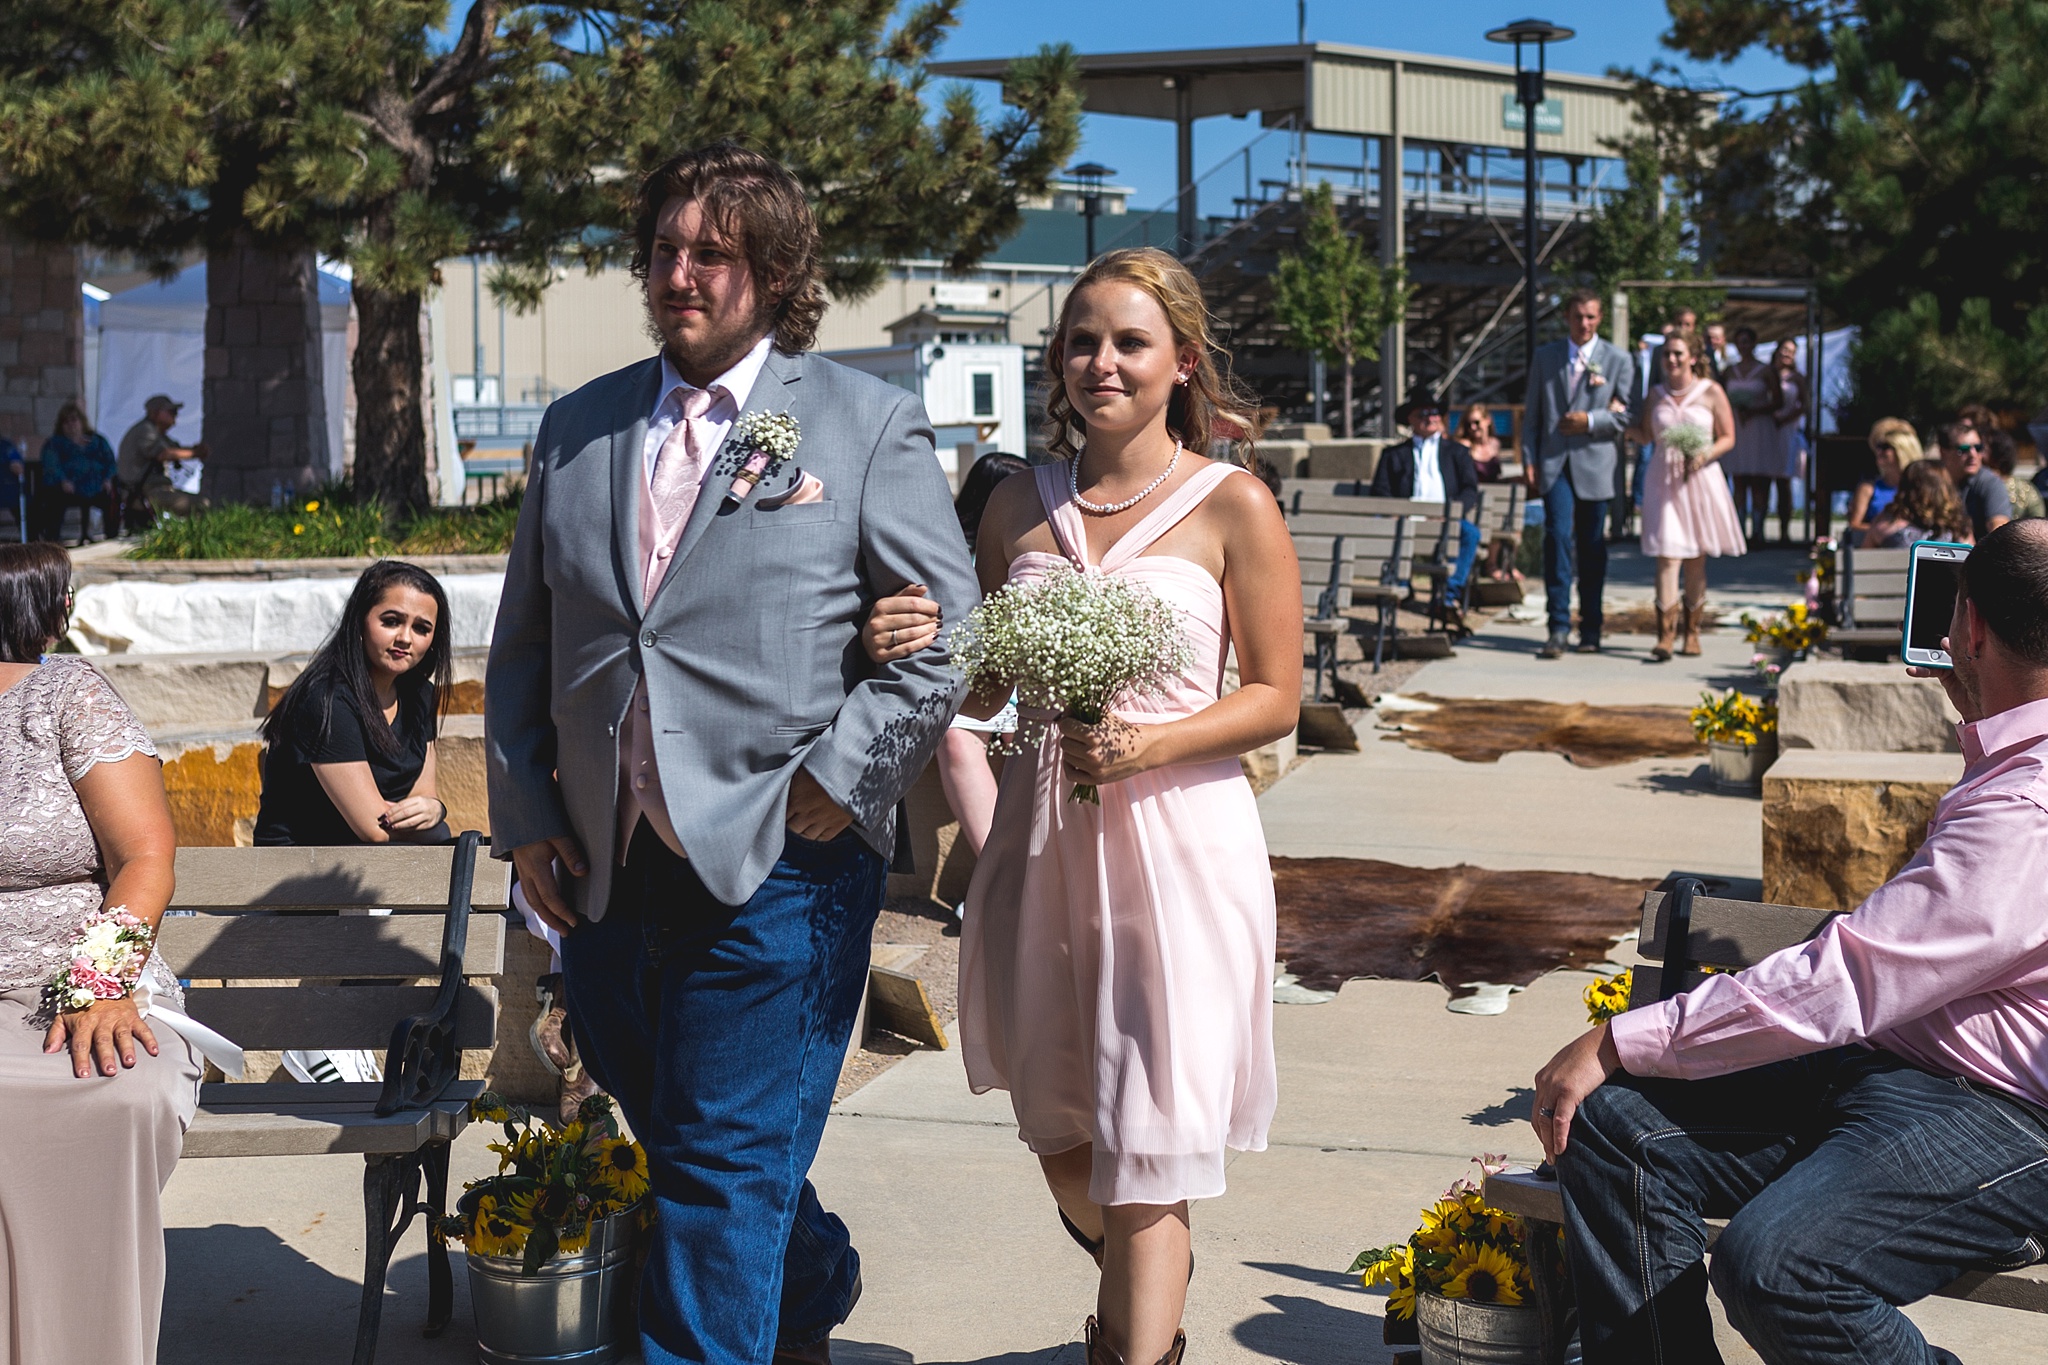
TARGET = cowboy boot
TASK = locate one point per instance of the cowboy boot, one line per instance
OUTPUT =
(1667, 633)
(1100, 1354)
(1695, 617)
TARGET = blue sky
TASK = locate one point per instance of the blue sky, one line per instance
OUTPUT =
(1609, 35)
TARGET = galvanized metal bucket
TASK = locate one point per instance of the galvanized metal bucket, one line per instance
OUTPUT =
(1461, 1332)
(565, 1312)
(1740, 767)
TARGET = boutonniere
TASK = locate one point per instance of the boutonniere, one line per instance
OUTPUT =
(760, 444)
(1594, 379)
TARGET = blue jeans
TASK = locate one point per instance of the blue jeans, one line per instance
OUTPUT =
(1574, 546)
(1854, 1182)
(720, 1030)
(1461, 569)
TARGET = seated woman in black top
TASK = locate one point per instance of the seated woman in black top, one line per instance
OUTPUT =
(351, 756)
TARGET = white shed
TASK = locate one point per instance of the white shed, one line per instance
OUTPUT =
(973, 391)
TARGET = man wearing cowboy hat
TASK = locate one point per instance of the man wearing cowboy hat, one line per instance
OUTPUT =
(1430, 467)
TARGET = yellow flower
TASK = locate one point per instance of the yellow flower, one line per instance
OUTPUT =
(1401, 1301)
(574, 1240)
(1483, 1274)
(622, 1165)
(297, 529)
(1607, 997)
(492, 1234)
(518, 1208)
(313, 506)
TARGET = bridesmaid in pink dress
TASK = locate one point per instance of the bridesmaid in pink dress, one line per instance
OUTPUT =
(1687, 513)
(1117, 961)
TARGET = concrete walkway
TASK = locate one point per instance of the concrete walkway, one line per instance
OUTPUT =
(1385, 1096)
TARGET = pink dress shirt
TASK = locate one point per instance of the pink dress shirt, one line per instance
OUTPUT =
(1945, 965)
(640, 791)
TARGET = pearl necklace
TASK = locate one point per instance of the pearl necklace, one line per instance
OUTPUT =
(1100, 509)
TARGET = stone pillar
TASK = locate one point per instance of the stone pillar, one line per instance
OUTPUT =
(266, 410)
(42, 338)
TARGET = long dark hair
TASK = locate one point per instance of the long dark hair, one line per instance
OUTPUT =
(988, 471)
(1928, 500)
(343, 663)
(35, 581)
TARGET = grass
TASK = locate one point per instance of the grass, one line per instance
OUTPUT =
(331, 524)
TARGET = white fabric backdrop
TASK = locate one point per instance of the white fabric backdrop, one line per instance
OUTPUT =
(288, 616)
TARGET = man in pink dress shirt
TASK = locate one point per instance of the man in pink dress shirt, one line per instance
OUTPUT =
(1870, 1108)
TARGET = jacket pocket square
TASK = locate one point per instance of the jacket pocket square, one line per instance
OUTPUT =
(810, 488)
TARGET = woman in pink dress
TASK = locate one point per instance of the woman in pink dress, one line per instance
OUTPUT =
(1687, 512)
(1117, 961)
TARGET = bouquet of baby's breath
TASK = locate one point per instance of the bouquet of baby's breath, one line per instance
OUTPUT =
(1071, 642)
(1691, 442)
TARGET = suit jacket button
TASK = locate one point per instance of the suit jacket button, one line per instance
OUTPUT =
(647, 639)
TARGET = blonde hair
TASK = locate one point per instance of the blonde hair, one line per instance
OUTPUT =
(1211, 404)
(1898, 433)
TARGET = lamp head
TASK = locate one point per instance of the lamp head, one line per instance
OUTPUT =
(1530, 31)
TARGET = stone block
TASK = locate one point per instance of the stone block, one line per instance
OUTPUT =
(1289, 457)
(1839, 824)
(183, 691)
(1299, 431)
(215, 784)
(459, 773)
(241, 325)
(1828, 704)
(286, 326)
(1345, 459)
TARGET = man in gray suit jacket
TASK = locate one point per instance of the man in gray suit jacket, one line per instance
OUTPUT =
(1573, 414)
(680, 715)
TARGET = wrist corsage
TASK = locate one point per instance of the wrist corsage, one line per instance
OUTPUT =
(106, 960)
(761, 443)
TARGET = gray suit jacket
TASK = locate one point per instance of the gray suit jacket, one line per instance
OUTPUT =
(750, 647)
(1593, 456)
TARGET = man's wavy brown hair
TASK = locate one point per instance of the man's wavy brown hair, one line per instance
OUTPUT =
(1211, 405)
(757, 205)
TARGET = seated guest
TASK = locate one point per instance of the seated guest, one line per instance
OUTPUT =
(96, 1101)
(13, 483)
(351, 758)
(1926, 508)
(1868, 1109)
(145, 463)
(1982, 491)
(1476, 434)
(1895, 445)
(78, 471)
(1431, 468)
(2001, 452)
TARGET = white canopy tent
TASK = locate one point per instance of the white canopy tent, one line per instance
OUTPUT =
(152, 339)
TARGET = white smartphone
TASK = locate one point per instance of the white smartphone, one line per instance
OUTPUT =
(1931, 585)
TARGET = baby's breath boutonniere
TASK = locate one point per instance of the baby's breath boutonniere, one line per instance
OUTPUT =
(760, 444)
(1594, 379)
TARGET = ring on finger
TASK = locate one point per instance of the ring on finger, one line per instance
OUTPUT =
(1547, 1113)
(892, 638)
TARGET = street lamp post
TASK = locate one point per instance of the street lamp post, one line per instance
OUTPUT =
(1090, 174)
(1529, 94)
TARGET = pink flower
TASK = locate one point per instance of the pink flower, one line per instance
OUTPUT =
(102, 985)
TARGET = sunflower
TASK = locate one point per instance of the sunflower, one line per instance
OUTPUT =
(1401, 1301)
(623, 1166)
(575, 1239)
(1483, 1274)
(493, 1234)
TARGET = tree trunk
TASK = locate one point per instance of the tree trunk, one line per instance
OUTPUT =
(1348, 360)
(391, 437)
(265, 405)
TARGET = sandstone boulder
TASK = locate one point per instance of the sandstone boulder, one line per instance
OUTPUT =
(1837, 705)
(1838, 825)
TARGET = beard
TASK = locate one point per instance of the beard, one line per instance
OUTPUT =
(720, 347)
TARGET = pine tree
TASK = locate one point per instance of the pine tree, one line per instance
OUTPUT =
(148, 124)
(1635, 237)
(1332, 297)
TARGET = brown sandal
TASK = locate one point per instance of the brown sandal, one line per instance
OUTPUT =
(1100, 1354)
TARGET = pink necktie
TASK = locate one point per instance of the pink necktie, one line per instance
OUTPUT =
(679, 465)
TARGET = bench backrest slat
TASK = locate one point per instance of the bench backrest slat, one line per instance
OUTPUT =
(1874, 586)
(267, 946)
(304, 1017)
(403, 879)
(1723, 933)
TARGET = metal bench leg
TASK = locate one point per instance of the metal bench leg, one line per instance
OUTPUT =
(383, 1190)
(1379, 639)
(1550, 1288)
(440, 1282)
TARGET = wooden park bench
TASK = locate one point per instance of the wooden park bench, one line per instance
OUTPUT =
(1710, 933)
(273, 967)
(1873, 598)
(1369, 553)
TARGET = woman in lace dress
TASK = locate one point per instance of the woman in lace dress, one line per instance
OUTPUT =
(1687, 513)
(93, 1103)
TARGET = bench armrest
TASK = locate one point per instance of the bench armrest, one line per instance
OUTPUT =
(423, 1060)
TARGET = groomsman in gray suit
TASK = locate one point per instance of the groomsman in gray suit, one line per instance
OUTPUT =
(1573, 414)
(692, 763)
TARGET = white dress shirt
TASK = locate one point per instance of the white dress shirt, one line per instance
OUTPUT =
(735, 386)
(1429, 472)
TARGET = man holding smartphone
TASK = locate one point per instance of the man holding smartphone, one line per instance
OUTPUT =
(1869, 1108)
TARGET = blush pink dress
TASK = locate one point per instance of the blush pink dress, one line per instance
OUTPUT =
(1116, 971)
(1686, 518)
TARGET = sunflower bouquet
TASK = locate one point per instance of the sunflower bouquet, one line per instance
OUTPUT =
(1463, 1250)
(1608, 996)
(1734, 718)
(1796, 628)
(553, 1183)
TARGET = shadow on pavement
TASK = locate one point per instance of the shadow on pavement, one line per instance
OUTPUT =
(1512, 1110)
(1306, 1332)
(1329, 1279)
(845, 1352)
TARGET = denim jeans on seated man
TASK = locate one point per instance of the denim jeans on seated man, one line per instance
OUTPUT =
(1853, 1182)
(720, 1031)
(1469, 539)
(1574, 548)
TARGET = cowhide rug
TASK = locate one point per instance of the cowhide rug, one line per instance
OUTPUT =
(1480, 730)
(1350, 917)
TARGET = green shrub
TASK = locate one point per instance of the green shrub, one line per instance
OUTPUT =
(330, 524)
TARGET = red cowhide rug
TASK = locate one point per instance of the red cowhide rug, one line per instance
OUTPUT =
(1349, 917)
(1480, 730)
